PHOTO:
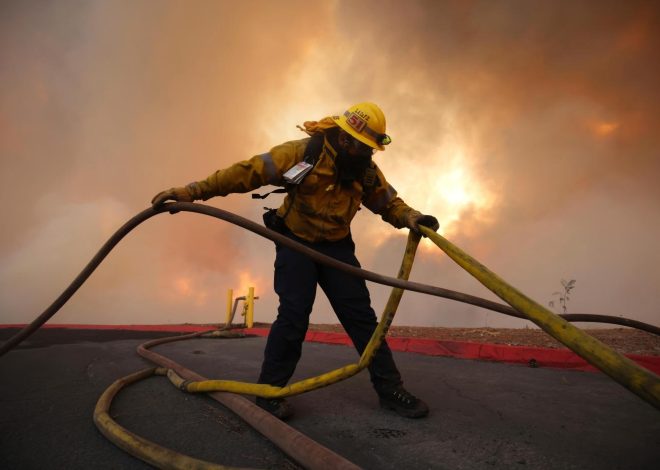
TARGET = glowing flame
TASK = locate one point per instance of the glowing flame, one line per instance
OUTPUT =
(453, 188)
(603, 128)
(449, 190)
(445, 187)
(182, 286)
(246, 280)
(185, 288)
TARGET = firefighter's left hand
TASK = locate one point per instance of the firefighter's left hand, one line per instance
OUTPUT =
(415, 220)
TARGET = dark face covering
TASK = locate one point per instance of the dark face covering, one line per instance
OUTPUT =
(351, 167)
(353, 161)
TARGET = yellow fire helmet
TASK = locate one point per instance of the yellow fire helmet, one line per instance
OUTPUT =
(366, 122)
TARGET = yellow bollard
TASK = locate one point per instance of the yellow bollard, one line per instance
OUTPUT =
(230, 301)
(249, 318)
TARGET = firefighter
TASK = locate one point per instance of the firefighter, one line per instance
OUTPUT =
(317, 212)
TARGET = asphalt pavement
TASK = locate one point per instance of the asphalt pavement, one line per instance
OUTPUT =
(484, 415)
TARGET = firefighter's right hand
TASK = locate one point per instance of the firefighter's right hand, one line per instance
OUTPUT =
(181, 194)
(415, 219)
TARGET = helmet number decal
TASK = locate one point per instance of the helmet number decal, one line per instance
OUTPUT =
(356, 122)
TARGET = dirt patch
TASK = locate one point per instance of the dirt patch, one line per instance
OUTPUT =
(623, 340)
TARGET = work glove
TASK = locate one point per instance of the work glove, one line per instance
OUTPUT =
(415, 219)
(181, 194)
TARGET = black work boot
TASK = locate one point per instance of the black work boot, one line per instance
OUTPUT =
(404, 403)
(278, 407)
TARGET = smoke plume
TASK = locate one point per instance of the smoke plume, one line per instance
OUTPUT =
(530, 129)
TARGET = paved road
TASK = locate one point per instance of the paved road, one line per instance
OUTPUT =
(483, 415)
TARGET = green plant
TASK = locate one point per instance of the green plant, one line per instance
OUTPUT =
(563, 296)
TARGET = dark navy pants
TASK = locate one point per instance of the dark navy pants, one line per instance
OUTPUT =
(296, 277)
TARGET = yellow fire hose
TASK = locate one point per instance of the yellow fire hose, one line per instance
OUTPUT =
(306, 385)
(135, 445)
(166, 458)
(637, 379)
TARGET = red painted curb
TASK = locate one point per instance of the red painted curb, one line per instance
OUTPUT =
(540, 357)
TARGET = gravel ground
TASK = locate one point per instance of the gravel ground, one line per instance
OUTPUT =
(624, 340)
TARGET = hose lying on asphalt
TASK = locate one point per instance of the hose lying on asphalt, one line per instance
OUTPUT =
(637, 379)
(145, 450)
(307, 452)
(301, 448)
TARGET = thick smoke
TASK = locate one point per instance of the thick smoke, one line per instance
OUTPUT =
(529, 128)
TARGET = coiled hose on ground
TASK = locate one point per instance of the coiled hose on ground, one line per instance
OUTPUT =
(637, 379)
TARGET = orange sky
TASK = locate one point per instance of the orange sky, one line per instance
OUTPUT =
(530, 129)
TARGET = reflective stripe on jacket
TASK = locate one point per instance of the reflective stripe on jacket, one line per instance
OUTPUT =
(322, 208)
